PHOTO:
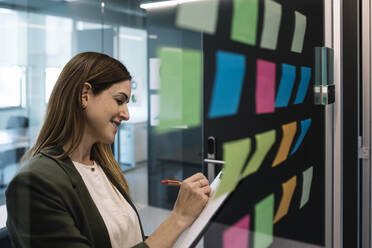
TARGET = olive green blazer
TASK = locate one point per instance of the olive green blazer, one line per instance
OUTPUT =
(49, 206)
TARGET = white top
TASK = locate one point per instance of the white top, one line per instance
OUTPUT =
(120, 218)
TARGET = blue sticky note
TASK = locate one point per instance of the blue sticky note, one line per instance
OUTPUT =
(305, 125)
(286, 85)
(304, 84)
(228, 83)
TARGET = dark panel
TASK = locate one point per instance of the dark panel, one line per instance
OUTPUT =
(304, 225)
(351, 82)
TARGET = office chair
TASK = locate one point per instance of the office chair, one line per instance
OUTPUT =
(5, 238)
(17, 121)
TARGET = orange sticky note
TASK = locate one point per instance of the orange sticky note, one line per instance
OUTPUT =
(288, 190)
(289, 131)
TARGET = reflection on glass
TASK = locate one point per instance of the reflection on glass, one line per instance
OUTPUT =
(39, 41)
(11, 86)
(51, 76)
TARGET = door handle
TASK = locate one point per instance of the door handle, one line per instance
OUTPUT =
(210, 160)
(213, 161)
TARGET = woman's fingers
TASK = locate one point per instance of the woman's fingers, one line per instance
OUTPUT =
(195, 177)
(201, 183)
(206, 190)
(193, 196)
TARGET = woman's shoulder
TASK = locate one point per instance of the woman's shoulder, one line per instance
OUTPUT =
(40, 164)
(41, 170)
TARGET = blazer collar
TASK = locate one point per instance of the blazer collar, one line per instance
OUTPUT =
(65, 163)
(97, 228)
(78, 183)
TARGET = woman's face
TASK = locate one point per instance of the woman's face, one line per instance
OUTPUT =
(105, 111)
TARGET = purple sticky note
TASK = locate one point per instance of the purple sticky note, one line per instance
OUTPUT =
(265, 87)
(237, 235)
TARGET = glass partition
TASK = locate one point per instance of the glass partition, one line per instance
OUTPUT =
(39, 38)
(253, 116)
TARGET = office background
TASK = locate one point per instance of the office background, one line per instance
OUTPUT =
(39, 36)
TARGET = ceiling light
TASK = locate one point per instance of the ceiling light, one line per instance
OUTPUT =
(163, 4)
(5, 11)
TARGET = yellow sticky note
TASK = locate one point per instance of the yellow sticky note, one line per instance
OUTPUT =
(288, 190)
(289, 131)
(234, 154)
(264, 141)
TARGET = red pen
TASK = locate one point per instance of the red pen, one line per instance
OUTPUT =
(171, 182)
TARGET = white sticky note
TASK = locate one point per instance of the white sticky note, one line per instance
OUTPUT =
(198, 16)
(299, 33)
(306, 186)
(271, 24)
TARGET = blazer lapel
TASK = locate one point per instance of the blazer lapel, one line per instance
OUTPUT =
(95, 225)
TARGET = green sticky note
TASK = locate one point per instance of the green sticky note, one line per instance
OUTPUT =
(199, 15)
(191, 88)
(271, 24)
(306, 186)
(264, 142)
(234, 154)
(244, 21)
(180, 75)
(299, 33)
(263, 221)
(170, 73)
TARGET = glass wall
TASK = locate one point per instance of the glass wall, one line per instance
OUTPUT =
(38, 39)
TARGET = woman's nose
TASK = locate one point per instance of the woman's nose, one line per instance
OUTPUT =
(124, 113)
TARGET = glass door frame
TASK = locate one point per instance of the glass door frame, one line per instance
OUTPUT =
(366, 137)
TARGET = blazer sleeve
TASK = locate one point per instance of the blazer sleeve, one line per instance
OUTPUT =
(141, 245)
(37, 216)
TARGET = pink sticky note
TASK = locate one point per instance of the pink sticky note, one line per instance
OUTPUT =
(237, 235)
(265, 87)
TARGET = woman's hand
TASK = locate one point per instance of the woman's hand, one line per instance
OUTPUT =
(192, 198)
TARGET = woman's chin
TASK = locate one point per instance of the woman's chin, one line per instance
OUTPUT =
(108, 140)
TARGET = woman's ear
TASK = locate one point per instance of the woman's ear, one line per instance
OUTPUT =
(87, 88)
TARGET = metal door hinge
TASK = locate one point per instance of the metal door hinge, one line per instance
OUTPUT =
(363, 151)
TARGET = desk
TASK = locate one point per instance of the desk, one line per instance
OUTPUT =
(131, 148)
(11, 139)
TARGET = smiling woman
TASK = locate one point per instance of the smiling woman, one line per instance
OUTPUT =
(71, 191)
(105, 111)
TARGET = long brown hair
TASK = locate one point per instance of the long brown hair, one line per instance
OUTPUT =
(64, 119)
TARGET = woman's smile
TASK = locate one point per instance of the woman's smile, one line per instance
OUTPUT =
(116, 124)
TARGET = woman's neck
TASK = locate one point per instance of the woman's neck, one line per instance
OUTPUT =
(82, 153)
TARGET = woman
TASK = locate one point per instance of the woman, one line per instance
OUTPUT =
(71, 192)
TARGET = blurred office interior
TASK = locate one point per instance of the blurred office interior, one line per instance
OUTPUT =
(38, 39)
